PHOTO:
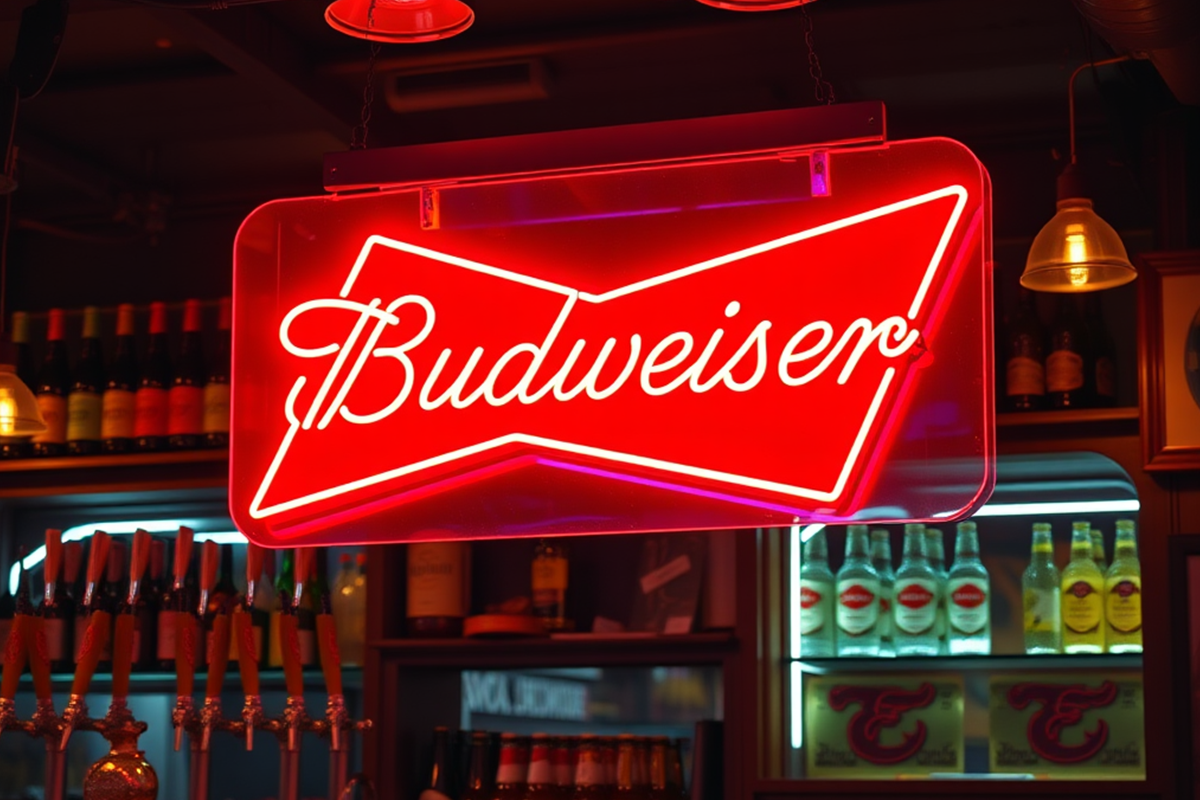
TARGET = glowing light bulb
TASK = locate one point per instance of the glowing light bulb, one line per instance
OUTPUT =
(1076, 244)
(8, 413)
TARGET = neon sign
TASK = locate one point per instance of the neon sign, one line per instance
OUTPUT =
(630, 350)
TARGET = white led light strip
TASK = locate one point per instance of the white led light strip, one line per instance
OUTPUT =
(80, 532)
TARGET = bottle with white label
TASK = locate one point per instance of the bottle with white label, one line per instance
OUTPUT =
(118, 404)
(881, 559)
(935, 551)
(969, 597)
(1082, 596)
(857, 597)
(151, 401)
(216, 389)
(84, 401)
(914, 613)
(817, 603)
(185, 399)
(1040, 592)
(1067, 385)
(1123, 593)
(52, 386)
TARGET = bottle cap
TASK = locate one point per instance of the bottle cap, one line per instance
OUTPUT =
(91, 322)
(55, 332)
(191, 316)
(158, 317)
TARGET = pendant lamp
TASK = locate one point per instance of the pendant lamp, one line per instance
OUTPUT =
(400, 21)
(754, 5)
(1076, 251)
(20, 417)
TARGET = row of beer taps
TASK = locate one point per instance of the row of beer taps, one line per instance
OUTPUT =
(26, 646)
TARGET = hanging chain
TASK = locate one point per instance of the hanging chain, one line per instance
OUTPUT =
(822, 89)
(358, 137)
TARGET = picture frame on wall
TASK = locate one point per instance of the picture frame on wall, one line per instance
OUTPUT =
(1169, 353)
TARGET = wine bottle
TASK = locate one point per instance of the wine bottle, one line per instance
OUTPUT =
(118, 404)
(216, 389)
(52, 386)
(1066, 365)
(84, 404)
(151, 400)
(1025, 372)
(185, 416)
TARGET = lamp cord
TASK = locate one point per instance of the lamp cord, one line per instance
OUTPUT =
(822, 89)
(358, 137)
(1071, 91)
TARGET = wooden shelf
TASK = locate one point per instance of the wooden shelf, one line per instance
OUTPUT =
(136, 472)
(1116, 417)
(574, 650)
(994, 663)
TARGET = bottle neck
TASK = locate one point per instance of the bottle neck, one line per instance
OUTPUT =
(857, 545)
(966, 546)
(914, 548)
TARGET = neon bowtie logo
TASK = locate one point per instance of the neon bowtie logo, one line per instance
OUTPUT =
(426, 363)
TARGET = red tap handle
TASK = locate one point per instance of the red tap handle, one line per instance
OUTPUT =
(186, 647)
(54, 555)
(247, 652)
(122, 650)
(331, 659)
(39, 659)
(218, 657)
(16, 653)
(98, 631)
(289, 645)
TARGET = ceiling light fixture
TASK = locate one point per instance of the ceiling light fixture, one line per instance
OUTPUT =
(1077, 251)
(400, 21)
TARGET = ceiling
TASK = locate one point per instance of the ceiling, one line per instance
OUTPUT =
(157, 110)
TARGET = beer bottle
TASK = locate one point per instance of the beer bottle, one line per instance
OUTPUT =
(513, 768)
(626, 786)
(479, 779)
(915, 612)
(969, 595)
(1066, 365)
(818, 600)
(439, 787)
(1041, 596)
(1025, 373)
(1082, 593)
(1123, 588)
(857, 597)
(1098, 550)
(542, 783)
(881, 559)
(589, 772)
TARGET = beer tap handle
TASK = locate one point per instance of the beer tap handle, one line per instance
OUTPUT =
(53, 562)
(185, 641)
(331, 666)
(254, 568)
(248, 667)
(94, 640)
(39, 659)
(218, 659)
(303, 571)
(127, 620)
(16, 653)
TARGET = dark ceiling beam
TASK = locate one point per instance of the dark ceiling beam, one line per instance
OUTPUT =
(252, 44)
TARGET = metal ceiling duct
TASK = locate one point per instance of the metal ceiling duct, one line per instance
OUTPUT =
(1166, 31)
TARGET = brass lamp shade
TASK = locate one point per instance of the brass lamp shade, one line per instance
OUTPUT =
(1076, 251)
(754, 5)
(400, 21)
(20, 417)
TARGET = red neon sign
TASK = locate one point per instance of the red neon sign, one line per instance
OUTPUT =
(702, 346)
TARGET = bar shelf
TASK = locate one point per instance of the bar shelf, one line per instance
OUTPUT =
(992, 663)
(133, 472)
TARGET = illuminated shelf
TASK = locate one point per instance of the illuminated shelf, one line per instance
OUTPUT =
(993, 663)
(134, 472)
(574, 650)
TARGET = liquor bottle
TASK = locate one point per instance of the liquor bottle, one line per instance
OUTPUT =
(1025, 372)
(84, 404)
(589, 771)
(479, 777)
(541, 783)
(438, 588)
(935, 551)
(1082, 596)
(216, 388)
(26, 372)
(1066, 365)
(881, 559)
(151, 400)
(1104, 365)
(1098, 550)
(349, 611)
(439, 786)
(857, 597)
(549, 582)
(52, 386)
(1040, 592)
(969, 593)
(914, 614)
(626, 786)
(25, 368)
(817, 600)
(118, 405)
(150, 607)
(1123, 590)
(185, 399)
(513, 770)
(68, 607)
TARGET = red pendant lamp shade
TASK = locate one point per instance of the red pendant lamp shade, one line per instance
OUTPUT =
(754, 5)
(400, 21)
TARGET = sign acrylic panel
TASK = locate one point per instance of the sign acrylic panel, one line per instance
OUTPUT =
(701, 346)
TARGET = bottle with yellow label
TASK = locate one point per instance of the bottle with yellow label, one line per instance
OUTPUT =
(1082, 596)
(549, 582)
(1123, 593)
